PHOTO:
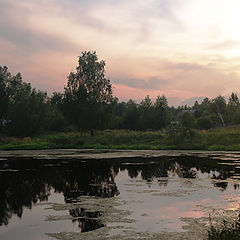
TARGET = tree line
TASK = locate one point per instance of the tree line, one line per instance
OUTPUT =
(87, 103)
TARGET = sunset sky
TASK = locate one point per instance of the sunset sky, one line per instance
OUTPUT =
(181, 48)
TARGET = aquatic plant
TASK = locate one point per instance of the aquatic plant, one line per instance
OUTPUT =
(226, 231)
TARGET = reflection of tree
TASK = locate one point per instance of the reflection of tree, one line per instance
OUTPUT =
(221, 175)
(183, 167)
(22, 188)
(19, 190)
(184, 171)
(133, 171)
(221, 185)
(149, 172)
(88, 220)
(94, 179)
(161, 168)
(236, 186)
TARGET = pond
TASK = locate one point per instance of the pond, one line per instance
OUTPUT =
(169, 196)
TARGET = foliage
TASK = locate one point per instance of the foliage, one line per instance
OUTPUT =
(23, 109)
(146, 115)
(187, 120)
(204, 122)
(88, 93)
(162, 114)
(236, 116)
(188, 123)
(9, 84)
(233, 108)
(228, 231)
(27, 113)
(130, 116)
(174, 133)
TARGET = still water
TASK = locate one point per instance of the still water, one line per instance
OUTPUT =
(150, 195)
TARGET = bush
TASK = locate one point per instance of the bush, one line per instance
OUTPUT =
(217, 148)
(204, 123)
(65, 140)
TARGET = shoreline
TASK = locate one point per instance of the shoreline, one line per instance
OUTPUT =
(96, 154)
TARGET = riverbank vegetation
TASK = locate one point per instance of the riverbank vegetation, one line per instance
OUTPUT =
(87, 115)
(218, 139)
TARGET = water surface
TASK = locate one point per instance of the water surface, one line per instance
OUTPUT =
(154, 194)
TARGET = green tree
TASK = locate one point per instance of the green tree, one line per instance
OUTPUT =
(88, 93)
(4, 78)
(219, 107)
(232, 107)
(233, 100)
(202, 109)
(236, 117)
(204, 122)
(130, 115)
(8, 86)
(56, 119)
(188, 123)
(174, 133)
(27, 111)
(146, 111)
(161, 112)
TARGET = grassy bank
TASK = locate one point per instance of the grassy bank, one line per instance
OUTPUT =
(222, 139)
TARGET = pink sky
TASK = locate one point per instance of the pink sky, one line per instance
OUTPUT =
(181, 48)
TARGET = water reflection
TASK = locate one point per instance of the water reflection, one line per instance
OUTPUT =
(26, 181)
(33, 181)
(88, 220)
(221, 185)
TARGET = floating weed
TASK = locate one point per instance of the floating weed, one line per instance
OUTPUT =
(228, 230)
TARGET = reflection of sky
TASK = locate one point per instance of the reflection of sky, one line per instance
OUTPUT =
(158, 208)
(32, 224)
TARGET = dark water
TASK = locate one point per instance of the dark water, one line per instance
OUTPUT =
(160, 192)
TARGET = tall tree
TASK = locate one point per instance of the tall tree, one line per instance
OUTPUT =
(162, 115)
(219, 106)
(188, 123)
(8, 86)
(130, 115)
(88, 93)
(27, 112)
(146, 111)
(232, 107)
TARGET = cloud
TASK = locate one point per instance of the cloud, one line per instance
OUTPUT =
(180, 79)
(75, 21)
(15, 28)
(146, 84)
(150, 46)
(224, 45)
(184, 66)
(191, 101)
(199, 79)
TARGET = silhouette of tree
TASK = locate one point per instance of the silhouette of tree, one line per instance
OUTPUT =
(88, 93)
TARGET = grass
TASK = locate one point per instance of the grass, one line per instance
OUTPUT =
(228, 231)
(219, 139)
